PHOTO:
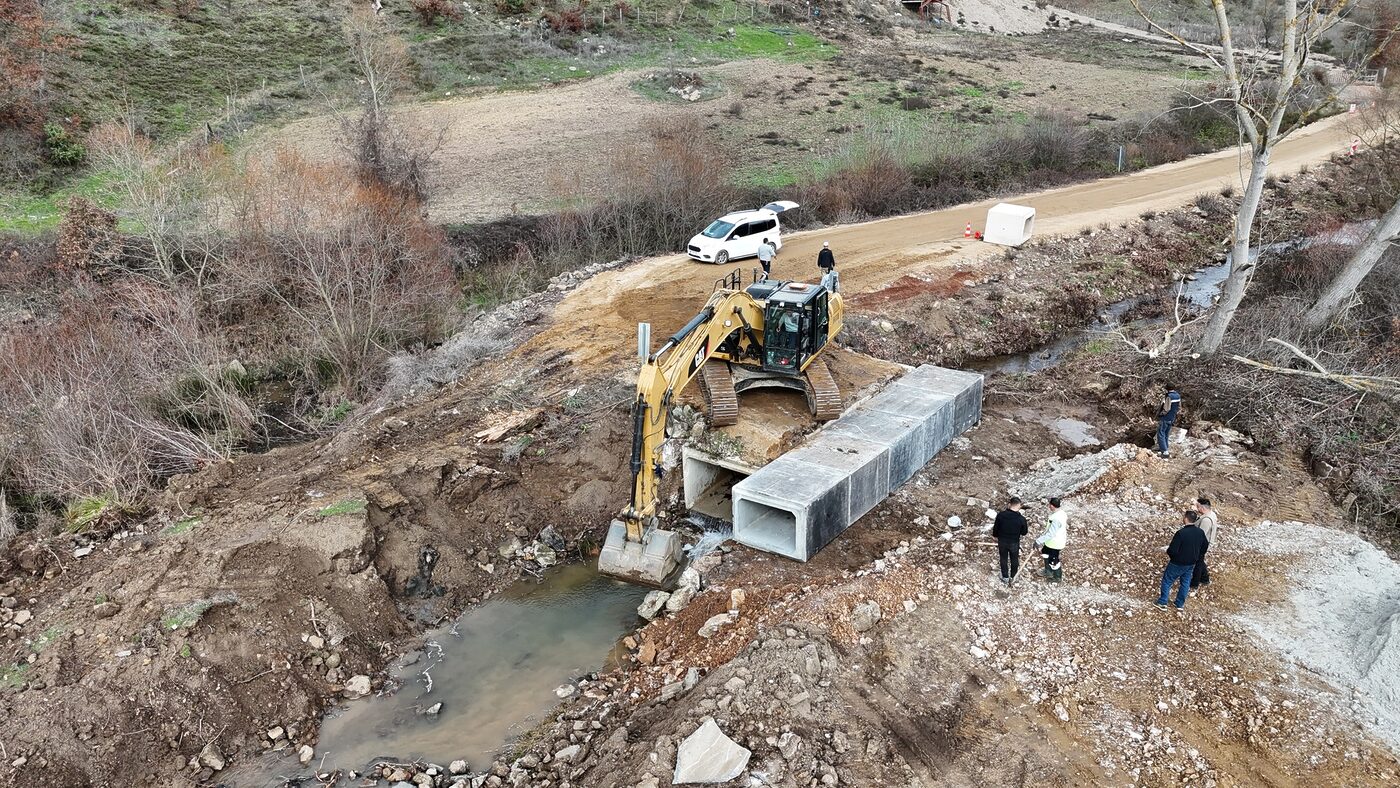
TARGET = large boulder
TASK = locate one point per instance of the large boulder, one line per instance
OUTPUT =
(652, 604)
(708, 756)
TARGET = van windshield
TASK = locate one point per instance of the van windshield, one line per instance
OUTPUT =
(718, 229)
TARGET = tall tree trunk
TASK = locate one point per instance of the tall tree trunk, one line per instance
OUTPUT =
(1333, 301)
(1242, 263)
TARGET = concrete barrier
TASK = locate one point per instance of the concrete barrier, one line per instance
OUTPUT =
(796, 504)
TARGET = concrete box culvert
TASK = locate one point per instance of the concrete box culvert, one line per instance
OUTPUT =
(964, 387)
(798, 503)
(707, 481)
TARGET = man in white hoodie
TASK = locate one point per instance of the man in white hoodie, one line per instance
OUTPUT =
(1053, 541)
(1206, 519)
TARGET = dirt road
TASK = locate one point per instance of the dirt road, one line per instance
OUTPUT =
(596, 322)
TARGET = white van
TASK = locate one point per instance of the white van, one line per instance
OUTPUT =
(736, 235)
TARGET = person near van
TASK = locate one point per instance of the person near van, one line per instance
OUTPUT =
(765, 257)
(1207, 522)
(826, 261)
(1008, 528)
(1053, 541)
(1187, 547)
(1166, 417)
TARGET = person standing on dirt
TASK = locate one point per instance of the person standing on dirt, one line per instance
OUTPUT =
(1008, 528)
(826, 261)
(1207, 522)
(1166, 417)
(1183, 553)
(1054, 539)
(765, 257)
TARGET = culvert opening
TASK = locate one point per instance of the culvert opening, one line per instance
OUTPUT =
(709, 482)
(765, 527)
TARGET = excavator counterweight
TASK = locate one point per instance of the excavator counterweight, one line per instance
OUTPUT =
(768, 334)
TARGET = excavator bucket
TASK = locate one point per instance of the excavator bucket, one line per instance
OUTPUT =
(655, 561)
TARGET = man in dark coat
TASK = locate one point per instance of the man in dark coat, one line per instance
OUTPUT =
(1187, 547)
(825, 259)
(1008, 528)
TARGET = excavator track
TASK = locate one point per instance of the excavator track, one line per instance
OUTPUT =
(823, 395)
(718, 383)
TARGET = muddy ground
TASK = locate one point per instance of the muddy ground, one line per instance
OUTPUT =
(261, 589)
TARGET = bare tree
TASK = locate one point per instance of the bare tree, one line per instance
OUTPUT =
(384, 152)
(1342, 290)
(1262, 88)
(352, 264)
(7, 520)
(380, 60)
(160, 192)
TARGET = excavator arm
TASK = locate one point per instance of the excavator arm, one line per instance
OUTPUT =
(634, 550)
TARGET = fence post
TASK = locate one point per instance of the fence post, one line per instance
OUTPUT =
(1120, 158)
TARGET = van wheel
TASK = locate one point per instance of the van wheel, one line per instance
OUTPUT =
(722, 257)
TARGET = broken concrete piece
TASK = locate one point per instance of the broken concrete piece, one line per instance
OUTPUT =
(708, 756)
(712, 625)
(679, 599)
(652, 604)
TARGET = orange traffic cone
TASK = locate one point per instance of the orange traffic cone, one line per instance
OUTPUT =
(967, 232)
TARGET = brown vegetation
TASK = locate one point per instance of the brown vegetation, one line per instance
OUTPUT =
(430, 12)
(28, 45)
(352, 266)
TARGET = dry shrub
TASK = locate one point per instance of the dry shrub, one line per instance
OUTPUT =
(87, 236)
(566, 20)
(662, 190)
(28, 48)
(431, 11)
(1309, 270)
(353, 266)
(122, 390)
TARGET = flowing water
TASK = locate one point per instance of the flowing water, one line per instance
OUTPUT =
(494, 670)
(1198, 290)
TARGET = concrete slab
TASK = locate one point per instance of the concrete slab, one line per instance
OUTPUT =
(903, 436)
(798, 503)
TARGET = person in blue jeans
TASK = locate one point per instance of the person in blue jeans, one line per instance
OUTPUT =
(1187, 547)
(1166, 417)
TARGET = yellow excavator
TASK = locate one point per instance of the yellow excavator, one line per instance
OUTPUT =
(768, 334)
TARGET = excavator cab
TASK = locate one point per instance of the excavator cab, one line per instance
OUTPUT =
(794, 327)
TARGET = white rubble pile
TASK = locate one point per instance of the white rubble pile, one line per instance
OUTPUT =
(1062, 477)
(1341, 618)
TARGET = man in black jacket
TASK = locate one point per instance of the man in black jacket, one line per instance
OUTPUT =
(825, 259)
(1187, 547)
(1008, 528)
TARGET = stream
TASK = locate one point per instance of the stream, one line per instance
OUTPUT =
(1198, 290)
(494, 670)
